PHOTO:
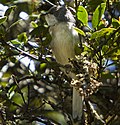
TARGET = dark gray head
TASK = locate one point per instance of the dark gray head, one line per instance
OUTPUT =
(60, 14)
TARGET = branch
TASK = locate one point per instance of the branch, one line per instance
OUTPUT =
(47, 1)
(19, 90)
(4, 43)
(23, 52)
(76, 5)
(25, 77)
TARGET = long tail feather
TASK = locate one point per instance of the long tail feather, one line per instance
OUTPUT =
(77, 105)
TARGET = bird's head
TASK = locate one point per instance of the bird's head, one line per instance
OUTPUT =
(58, 14)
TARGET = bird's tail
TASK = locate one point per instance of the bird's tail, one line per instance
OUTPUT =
(77, 105)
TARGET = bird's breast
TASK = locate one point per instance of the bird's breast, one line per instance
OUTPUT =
(62, 42)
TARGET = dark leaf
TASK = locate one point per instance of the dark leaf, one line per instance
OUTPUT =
(3, 19)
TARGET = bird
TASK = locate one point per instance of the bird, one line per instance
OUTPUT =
(64, 39)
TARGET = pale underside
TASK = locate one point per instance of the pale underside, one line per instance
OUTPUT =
(63, 45)
(64, 49)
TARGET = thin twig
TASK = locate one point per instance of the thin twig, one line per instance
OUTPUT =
(23, 52)
(25, 77)
(76, 5)
(19, 90)
(10, 46)
(47, 1)
(15, 104)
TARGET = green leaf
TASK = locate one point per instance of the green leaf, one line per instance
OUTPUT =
(79, 31)
(9, 10)
(105, 49)
(115, 23)
(82, 15)
(114, 54)
(102, 32)
(15, 42)
(43, 66)
(34, 24)
(57, 117)
(3, 19)
(94, 3)
(99, 11)
(17, 98)
(77, 49)
(23, 37)
(107, 75)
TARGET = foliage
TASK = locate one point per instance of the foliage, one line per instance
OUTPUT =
(33, 89)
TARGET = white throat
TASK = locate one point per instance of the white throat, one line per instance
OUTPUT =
(51, 20)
